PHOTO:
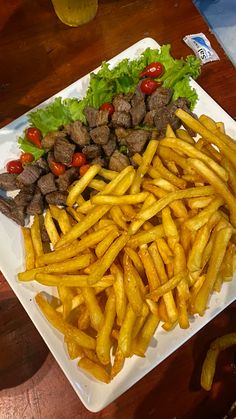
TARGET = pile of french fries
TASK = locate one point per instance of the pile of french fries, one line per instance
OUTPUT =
(149, 247)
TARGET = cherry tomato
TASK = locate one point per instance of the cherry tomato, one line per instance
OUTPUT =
(78, 159)
(84, 169)
(34, 136)
(107, 107)
(57, 168)
(153, 70)
(14, 166)
(26, 158)
(148, 86)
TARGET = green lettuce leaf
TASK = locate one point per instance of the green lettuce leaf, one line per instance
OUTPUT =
(181, 70)
(28, 147)
(123, 78)
(75, 109)
(50, 118)
(183, 89)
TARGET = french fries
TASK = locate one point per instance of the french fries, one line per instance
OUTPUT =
(149, 248)
(209, 365)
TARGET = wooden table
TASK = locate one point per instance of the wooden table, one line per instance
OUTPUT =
(40, 56)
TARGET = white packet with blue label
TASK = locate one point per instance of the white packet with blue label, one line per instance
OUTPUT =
(201, 47)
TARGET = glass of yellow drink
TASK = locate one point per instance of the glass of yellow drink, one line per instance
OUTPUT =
(75, 12)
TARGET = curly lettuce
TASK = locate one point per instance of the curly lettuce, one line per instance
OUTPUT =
(123, 78)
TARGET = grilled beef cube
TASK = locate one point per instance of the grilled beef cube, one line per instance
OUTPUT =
(138, 110)
(49, 140)
(36, 205)
(166, 115)
(102, 118)
(121, 103)
(118, 161)
(91, 116)
(25, 196)
(121, 119)
(121, 135)
(63, 151)
(181, 103)
(100, 135)
(99, 160)
(65, 180)
(42, 163)
(30, 174)
(78, 133)
(57, 198)
(161, 120)
(110, 146)
(149, 118)
(161, 97)
(9, 208)
(47, 184)
(8, 182)
(136, 140)
(92, 151)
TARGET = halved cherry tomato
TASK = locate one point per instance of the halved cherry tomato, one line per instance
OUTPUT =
(78, 159)
(26, 158)
(14, 166)
(84, 169)
(107, 107)
(34, 135)
(57, 168)
(153, 70)
(148, 86)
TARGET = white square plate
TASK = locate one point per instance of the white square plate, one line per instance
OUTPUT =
(95, 395)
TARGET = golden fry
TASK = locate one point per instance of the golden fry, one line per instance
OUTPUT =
(80, 185)
(74, 350)
(148, 213)
(119, 290)
(36, 237)
(191, 151)
(119, 200)
(95, 312)
(144, 166)
(166, 174)
(218, 184)
(208, 135)
(68, 330)
(125, 335)
(94, 369)
(168, 296)
(146, 236)
(108, 258)
(150, 269)
(133, 255)
(142, 341)
(29, 248)
(103, 345)
(118, 218)
(209, 365)
(103, 246)
(74, 248)
(204, 216)
(132, 288)
(219, 248)
(70, 265)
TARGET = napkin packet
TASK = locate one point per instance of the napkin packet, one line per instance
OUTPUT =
(201, 47)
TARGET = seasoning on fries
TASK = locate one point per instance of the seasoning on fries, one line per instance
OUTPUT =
(148, 248)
